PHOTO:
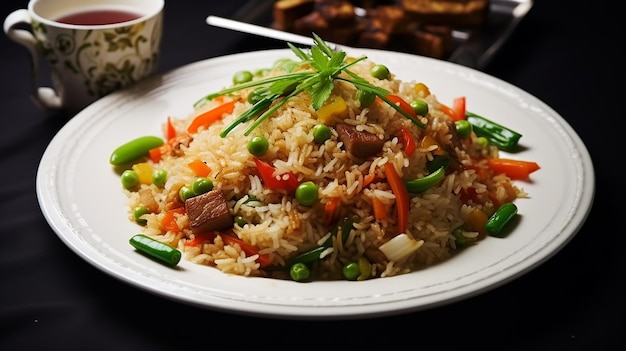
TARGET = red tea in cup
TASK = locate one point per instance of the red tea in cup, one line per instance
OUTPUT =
(98, 17)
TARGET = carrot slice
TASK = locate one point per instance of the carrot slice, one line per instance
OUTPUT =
(200, 168)
(402, 196)
(449, 111)
(368, 179)
(169, 220)
(207, 118)
(514, 169)
(379, 208)
(331, 210)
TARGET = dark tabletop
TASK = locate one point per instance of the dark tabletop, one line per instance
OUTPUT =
(50, 298)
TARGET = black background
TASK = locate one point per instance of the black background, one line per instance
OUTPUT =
(568, 56)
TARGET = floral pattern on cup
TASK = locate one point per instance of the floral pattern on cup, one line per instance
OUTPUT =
(79, 51)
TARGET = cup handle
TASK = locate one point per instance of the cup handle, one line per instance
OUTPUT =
(44, 97)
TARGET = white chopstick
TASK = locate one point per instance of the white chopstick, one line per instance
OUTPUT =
(266, 32)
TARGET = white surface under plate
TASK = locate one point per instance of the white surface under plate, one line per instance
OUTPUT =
(82, 200)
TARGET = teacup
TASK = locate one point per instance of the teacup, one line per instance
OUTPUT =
(92, 47)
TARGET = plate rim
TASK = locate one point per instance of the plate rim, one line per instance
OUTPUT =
(58, 223)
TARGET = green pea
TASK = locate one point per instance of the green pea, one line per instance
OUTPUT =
(351, 271)
(261, 72)
(366, 98)
(321, 133)
(159, 176)
(186, 193)
(299, 272)
(306, 193)
(201, 186)
(420, 107)
(242, 77)
(481, 142)
(258, 145)
(463, 128)
(130, 179)
(138, 212)
(134, 149)
(380, 71)
(240, 221)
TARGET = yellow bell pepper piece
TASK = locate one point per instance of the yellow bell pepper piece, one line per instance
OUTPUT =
(144, 172)
(421, 89)
(428, 141)
(335, 109)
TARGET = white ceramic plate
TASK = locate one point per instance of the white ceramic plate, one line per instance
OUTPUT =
(82, 200)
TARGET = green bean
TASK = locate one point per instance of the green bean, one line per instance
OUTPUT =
(419, 185)
(437, 162)
(463, 128)
(503, 215)
(314, 254)
(307, 257)
(460, 239)
(134, 149)
(345, 226)
(161, 251)
(501, 137)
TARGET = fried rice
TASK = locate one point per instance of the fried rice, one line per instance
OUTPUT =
(273, 227)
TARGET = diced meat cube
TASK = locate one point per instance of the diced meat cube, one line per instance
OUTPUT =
(209, 212)
(360, 144)
(287, 11)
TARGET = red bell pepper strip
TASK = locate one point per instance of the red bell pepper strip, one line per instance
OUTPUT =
(408, 141)
(514, 169)
(264, 259)
(286, 181)
(207, 118)
(402, 104)
(402, 196)
(405, 107)
(458, 106)
(170, 131)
